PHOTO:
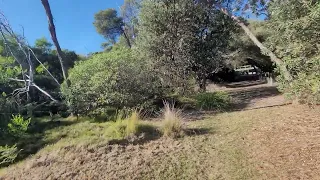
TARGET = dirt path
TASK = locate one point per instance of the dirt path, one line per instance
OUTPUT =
(252, 95)
(287, 144)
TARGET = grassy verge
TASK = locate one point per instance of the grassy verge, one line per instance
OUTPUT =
(210, 149)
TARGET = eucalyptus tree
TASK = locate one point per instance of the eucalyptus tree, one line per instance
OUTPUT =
(110, 25)
(182, 37)
(54, 38)
(235, 9)
(129, 13)
(294, 27)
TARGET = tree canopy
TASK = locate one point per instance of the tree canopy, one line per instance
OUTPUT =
(294, 36)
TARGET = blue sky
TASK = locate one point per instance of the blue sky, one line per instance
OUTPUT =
(73, 20)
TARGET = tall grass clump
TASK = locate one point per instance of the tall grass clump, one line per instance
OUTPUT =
(132, 123)
(172, 121)
(213, 101)
(124, 127)
(8, 154)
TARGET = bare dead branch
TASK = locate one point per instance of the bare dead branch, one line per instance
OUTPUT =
(18, 80)
(44, 92)
(44, 67)
(6, 30)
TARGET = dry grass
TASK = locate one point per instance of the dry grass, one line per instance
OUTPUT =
(286, 144)
(269, 143)
(172, 121)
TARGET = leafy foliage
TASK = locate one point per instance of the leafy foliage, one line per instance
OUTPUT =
(111, 26)
(18, 125)
(183, 38)
(244, 51)
(108, 24)
(129, 13)
(114, 79)
(7, 108)
(43, 51)
(294, 27)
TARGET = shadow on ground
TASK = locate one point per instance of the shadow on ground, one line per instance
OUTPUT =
(31, 142)
(243, 97)
(151, 133)
(198, 131)
(245, 84)
(247, 97)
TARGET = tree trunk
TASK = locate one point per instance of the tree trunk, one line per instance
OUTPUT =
(264, 49)
(203, 83)
(127, 38)
(53, 34)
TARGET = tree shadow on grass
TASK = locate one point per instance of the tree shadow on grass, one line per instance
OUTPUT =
(145, 133)
(42, 126)
(150, 133)
(34, 139)
(198, 131)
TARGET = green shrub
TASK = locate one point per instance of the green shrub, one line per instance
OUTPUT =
(8, 154)
(7, 108)
(172, 122)
(305, 87)
(18, 125)
(114, 79)
(296, 42)
(213, 101)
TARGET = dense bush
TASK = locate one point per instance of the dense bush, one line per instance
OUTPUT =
(213, 101)
(11, 132)
(114, 79)
(7, 108)
(295, 27)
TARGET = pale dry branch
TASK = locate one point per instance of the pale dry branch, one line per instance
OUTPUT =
(44, 67)
(6, 30)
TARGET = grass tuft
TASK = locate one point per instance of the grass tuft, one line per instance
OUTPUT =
(132, 123)
(172, 121)
(123, 128)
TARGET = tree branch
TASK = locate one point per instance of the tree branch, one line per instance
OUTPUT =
(54, 38)
(255, 40)
(44, 67)
(5, 29)
(44, 92)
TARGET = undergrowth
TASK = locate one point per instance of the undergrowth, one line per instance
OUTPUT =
(213, 101)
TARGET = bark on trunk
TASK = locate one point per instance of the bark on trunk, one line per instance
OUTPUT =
(54, 38)
(203, 84)
(127, 38)
(264, 49)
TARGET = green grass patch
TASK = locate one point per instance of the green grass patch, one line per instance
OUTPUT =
(213, 101)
